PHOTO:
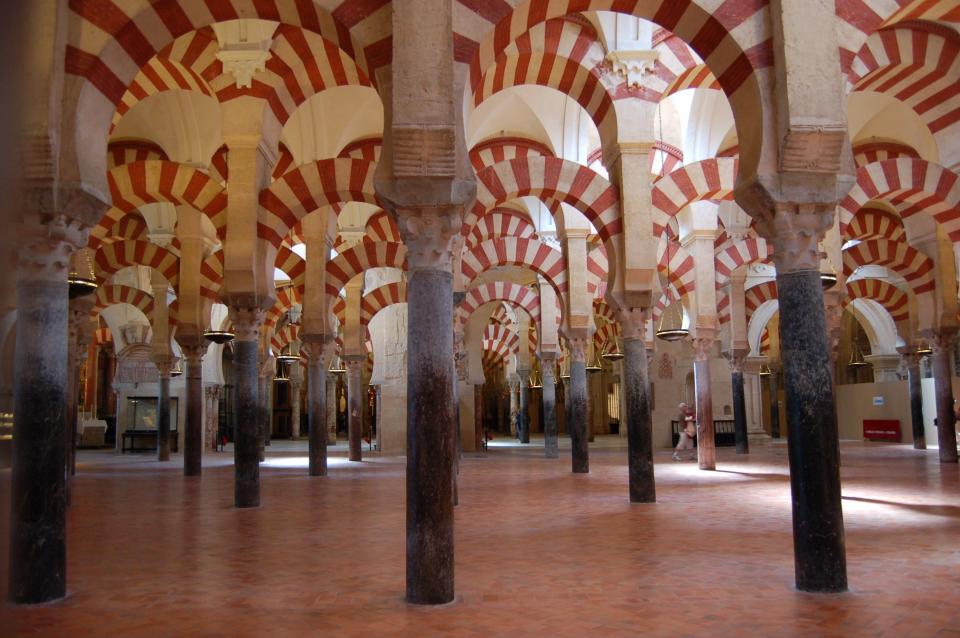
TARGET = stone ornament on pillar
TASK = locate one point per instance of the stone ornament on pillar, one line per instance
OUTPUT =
(795, 231)
(428, 235)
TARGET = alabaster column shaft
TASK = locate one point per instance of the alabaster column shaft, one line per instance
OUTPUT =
(193, 431)
(431, 439)
(577, 424)
(317, 390)
(354, 409)
(639, 422)
(163, 417)
(38, 501)
(551, 443)
(706, 440)
(916, 402)
(946, 419)
(739, 413)
(818, 537)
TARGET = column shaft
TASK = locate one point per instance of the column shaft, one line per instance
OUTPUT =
(317, 389)
(295, 410)
(578, 417)
(524, 426)
(739, 413)
(431, 441)
(916, 402)
(551, 443)
(775, 406)
(946, 419)
(639, 423)
(38, 551)
(193, 432)
(477, 417)
(818, 537)
(246, 447)
(163, 417)
(706, 440)
(355, 405)
(331, 419)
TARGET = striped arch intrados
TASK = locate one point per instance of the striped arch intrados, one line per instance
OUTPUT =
(692, 23)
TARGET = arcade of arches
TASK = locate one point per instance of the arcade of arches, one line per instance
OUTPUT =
(475, 239)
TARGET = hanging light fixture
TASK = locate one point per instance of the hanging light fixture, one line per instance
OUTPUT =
(336, 366)
(595, 365)
(281, 376)
(924, 349)
(219, 337)
(828, 279)
(82, 285)
(671, 326)
(856, 357)
(286, 357)
(178, 370)
(765, 370)
(615, 354)
(535, 380)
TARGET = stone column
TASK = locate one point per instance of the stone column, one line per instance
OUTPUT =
(246, 326)
(551, 442)
(739, 404)
(775, 401)
(818, 537)
(331, 420)
(355, 404)
(942, 344)
(523, 429)
(163, 408)
(577, 400)
(193, 429)
(636, 387)
(912, 361)
(477, 417)
(212, 394)
(514, 409)
(706, 441)
(319, 389)
(295, 388)
(38, 549)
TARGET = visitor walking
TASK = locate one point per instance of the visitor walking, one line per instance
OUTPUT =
(687, 433)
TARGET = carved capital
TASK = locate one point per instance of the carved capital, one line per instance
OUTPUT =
(247, 321)
(795, 232)
(165, 364)
(941, 341)
(354, 365)
(633, 323)
(429, 235)
(193, 353)
(736, 361)
(46, 249)
(702, 348)
(578, 349)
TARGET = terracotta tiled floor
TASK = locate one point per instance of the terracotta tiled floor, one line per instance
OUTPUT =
(540, 551)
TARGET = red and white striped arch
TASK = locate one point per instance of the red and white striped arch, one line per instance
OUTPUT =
(749, 250)
(284, 162)
(598, 267)
(526, 253)
(287, 298)
(605, 337)
(368, 148)
(152, 181)
(293, 265)
(505, 291)
(501, 222)
(696, 77)
(310, 187)
(211, 276)
(711, 179)
(895, 301)
(906, 261)
(284, 337)
(871, 222)
(869, 152)
(381, 227)
(360, 257)
(756, 296)
(381, 297)
(115, 294)
(129, 151)
(158, 75)
(859, 19)
(501, 149)
(677, 268)
(118, 224)
(912, 186)
(732, 40)
(551, 180)
(113, 257)
(603, 310)
(917, 65)
(219, 169)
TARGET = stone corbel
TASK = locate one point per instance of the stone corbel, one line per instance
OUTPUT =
(632, 65)
(428, 234)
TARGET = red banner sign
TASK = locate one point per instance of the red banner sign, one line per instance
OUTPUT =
(881, 430)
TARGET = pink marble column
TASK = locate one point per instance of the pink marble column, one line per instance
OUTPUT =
(706, 442)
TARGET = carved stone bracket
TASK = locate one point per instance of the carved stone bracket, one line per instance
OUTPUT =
(632, 65)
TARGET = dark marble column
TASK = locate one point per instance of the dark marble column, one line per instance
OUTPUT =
(38, 551)
(577, 399)
(638, 419)
(246, 325)
(431, 427)
(818, 536)
(739, 405)
(912, 359)
(331, 423)
(163, 412)
(193, 429)
(551, 443)
(318, 387)
(524, 425)
(478, 417)
(775, 402)
(355, 405)
(942, 344)
(706, 440)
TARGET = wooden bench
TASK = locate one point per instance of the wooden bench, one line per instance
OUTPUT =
(149, 436)
(723, 433)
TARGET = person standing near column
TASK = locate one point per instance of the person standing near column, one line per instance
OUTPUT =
(688, 431)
